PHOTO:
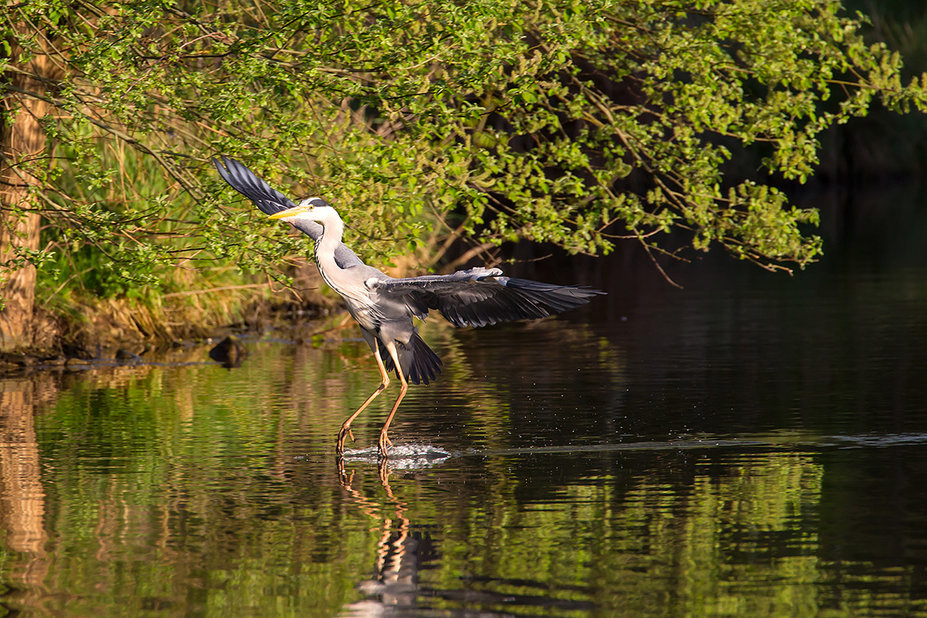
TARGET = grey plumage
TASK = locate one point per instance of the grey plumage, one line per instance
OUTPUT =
(384, 306)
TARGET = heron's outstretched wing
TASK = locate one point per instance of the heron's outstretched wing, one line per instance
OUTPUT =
(271, 201)
(246, 182)
(481, 296)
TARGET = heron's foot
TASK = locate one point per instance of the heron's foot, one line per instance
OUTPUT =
(383, 444)
(345, 431)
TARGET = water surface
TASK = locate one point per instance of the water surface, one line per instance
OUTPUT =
(750, 445)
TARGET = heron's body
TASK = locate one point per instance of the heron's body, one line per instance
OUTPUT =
(383, 317)
(385, 307)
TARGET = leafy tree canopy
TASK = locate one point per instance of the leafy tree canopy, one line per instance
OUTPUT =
(575, 122)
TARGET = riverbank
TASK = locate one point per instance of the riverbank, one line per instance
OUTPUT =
(102, 349)
(95, 331)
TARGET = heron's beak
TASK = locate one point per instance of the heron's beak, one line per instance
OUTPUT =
(289, 212)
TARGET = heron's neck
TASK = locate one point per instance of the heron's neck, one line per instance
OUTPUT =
(328, 242)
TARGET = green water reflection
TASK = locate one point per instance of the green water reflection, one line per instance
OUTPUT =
(190, 489)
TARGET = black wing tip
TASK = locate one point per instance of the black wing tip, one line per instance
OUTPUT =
(576, 292)
(527, 300)
(223, 163)
(238, 176)
(221, 168)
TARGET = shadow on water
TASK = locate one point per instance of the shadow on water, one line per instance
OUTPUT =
(751, 445)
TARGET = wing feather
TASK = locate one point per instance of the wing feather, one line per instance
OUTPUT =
(481, 297)
(270, 201)
(474, 297)
(246, 182)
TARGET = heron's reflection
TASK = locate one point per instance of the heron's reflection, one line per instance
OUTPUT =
(403, 554)
(399, 551)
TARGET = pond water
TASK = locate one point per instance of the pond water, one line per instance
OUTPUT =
(753, 444)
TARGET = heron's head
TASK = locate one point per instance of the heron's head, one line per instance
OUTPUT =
(312, 209)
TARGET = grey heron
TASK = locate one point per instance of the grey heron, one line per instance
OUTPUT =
(385, 307)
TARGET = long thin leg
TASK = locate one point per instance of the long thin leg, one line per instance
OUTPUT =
(384, 438)
(346, 426)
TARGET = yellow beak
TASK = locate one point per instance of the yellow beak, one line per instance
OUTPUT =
(289, 212)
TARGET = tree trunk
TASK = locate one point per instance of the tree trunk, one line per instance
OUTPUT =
(22, 140)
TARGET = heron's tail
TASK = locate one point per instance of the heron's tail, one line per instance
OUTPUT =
(420, 364)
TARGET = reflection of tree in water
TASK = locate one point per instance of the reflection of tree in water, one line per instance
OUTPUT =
(223, 494)
(22, 496)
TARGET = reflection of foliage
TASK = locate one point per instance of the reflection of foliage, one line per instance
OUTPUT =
(648, 542)
(203, 490)
(149, 510)
(574, 123)
(758, 512)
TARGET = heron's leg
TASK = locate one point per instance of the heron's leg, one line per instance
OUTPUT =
(384, 438)
(346, 426)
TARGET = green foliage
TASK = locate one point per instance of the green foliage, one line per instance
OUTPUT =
(575, 123)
